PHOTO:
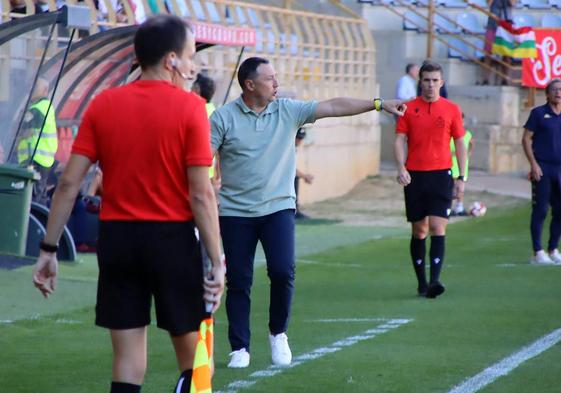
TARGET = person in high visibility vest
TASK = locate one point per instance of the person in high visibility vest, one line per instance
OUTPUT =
(459, 209)
(39, 141)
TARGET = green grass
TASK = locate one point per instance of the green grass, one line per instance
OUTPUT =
(495, 304)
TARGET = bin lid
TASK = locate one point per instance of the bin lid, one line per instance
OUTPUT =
(18, 171)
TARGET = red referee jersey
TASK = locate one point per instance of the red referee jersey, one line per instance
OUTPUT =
(429, 127)
(144, 135)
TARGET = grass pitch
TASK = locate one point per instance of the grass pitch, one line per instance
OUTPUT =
(349, 281)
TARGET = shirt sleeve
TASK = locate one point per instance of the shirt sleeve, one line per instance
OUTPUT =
(532, 122)
(197, 143)
(304, 111)
(402, 127)
(457, 127)
(217, 130)
(85, 142)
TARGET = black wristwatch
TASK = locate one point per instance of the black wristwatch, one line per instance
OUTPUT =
(462, 178)
(47, 247)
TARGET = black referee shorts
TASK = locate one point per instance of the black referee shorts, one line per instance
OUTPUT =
(138, 260)
(429, 194)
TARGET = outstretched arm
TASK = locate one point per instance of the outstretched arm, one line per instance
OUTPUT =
(345, 106)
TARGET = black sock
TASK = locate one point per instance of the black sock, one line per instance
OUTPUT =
(436, 257)
(184, 382)
(123, 387)
(418, 251)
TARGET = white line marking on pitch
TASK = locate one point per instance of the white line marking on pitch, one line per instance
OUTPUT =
(388, 324)
(329, 264)
(505, 366)
(345, 320)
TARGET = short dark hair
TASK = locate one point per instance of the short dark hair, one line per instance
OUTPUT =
(159, 35)
(429, 66)
(248, 69)
(408, 67)
(207, 87)
(550, 84)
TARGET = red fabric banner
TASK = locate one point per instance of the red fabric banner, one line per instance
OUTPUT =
(539, 71)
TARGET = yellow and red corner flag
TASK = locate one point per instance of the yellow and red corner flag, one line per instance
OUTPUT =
(201, 381)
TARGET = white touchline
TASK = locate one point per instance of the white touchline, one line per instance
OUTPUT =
(505, 366)
(346, 320)
(387, 325)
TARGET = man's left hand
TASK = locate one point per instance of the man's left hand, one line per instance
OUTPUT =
(45, 273)
(396, 107)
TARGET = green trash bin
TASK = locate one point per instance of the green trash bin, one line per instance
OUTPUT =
(16, 187)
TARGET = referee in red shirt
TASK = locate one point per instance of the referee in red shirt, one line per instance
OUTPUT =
(152, 141)
(424, 171)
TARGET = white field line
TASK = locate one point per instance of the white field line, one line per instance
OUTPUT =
(505, 366)
(387, 325)
(345, 320)
(329, 264)
(61, 321)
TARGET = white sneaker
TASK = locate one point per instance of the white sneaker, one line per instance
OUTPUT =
(541, 258)
(239, 359)
(280, 351)
(555, 256)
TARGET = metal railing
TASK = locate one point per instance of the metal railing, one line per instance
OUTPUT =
(316, 56)
(504, 70)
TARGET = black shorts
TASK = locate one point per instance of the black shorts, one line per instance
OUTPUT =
(138, 260)
(429, 194)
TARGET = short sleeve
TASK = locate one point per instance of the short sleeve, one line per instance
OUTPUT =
(532, 122)
(217, 130)
(457, 126)
(85, 142)
(197, 143)
(402, 126)
(304, 111)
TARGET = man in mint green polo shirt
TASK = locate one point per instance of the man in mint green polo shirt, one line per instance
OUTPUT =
(254, 136)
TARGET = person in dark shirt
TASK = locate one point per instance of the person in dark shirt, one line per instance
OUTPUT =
(542, 144)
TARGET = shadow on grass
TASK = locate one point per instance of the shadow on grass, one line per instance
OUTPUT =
(318, 221)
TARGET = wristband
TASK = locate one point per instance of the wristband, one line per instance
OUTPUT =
(462, 178)
(378, 104)
(47, 247)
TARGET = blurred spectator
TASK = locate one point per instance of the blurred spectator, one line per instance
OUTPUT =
(205, 87)
(308, 178)
(407, 85)
(501, 9)
(459, 209)
(38, 141)
(19, 7)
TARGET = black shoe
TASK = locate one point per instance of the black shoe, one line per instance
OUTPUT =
(301, 216)
(422, 291)
(462, 213)
(435, 289)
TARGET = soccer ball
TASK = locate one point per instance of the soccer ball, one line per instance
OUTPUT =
(478, 209)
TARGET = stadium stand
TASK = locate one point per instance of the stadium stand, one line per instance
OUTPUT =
(551, 21)
(413, 21)
(536, 4)
(521, 20)
(446, 24)
(469, 23)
